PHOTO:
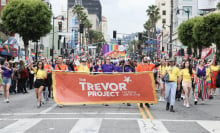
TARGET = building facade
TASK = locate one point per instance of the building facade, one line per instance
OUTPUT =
(3, 4)
(105, 28)
(180, 8)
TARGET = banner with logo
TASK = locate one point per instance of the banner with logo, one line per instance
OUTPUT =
(81, 88)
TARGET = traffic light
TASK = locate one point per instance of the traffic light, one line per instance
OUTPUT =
(189, 51)
(119, 42)
(181, 52)
(114, 34)
(64, 42)
(61, 51)
(139, 36)
(60, 26)
(163, 49)
(51, 52)
(81, 27)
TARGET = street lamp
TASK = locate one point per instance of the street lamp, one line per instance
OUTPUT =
(186, 11)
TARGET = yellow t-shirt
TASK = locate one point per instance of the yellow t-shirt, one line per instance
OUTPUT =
(214, 68)
(208, 74)
(162, 69)
(174, 73)
(82, 68)
(40, 74)
(186, 75)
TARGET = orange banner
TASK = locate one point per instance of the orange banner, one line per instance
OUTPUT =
(81, 88)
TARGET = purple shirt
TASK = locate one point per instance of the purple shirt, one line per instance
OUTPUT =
(128, 68)
(6, 73)
(118, 69)
(107, 68)
(202, 72)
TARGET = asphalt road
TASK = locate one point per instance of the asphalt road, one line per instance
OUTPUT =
(22, 116)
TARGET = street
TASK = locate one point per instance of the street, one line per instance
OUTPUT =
(22, 116)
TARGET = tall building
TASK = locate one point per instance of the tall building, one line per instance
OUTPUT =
(94, 9)
(207, 5)
(105, 28)
(93, 6)
(180, 8)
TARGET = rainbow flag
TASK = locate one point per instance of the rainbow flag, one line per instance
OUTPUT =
(33, 54)
(109, 49)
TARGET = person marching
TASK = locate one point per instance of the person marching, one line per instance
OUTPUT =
(214, 69)
(200, 83)
(162, 68)
(60, 66)
(171, 84)
(6, 78)
(83, 66)
(108, 68)
(186, 77)
(144, 67)
(208, 78)
(128, 69)
(40, 75)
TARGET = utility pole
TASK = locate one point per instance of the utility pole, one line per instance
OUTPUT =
(171, 29)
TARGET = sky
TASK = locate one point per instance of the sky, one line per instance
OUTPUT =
(124, 16)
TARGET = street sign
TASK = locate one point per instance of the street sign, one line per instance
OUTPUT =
(91, 47)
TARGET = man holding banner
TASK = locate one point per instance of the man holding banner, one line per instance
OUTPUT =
(146, 66)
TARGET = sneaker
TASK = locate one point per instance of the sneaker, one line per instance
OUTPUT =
(38, 105)
(160, 100)
(6, 100)
(182, 97)
(203, 102)
(187, 105)
(210, 97)
(184, 103)
(195, 101)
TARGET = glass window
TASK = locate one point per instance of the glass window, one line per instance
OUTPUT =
(164, 21)
(187, 0)
(164, 12)
(3, 2)
(163, 4)
(186, 8)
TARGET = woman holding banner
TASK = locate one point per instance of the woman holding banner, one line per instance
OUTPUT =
(108, 68)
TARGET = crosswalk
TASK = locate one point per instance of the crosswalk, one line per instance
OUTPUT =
(103, 125)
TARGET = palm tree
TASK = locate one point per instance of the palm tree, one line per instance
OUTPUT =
(154, 14)
(78, 10)
(147, 27)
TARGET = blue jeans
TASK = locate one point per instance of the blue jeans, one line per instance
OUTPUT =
(170, 92)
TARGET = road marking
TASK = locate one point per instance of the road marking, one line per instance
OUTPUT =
(5, 119)
(20, 126)
(149, 126)
(211, 126)
(148, 113)
(87, 126)
(142, 112)
(48, 109)
(85, 113)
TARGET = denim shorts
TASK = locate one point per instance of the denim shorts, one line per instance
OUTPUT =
(6, 80)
